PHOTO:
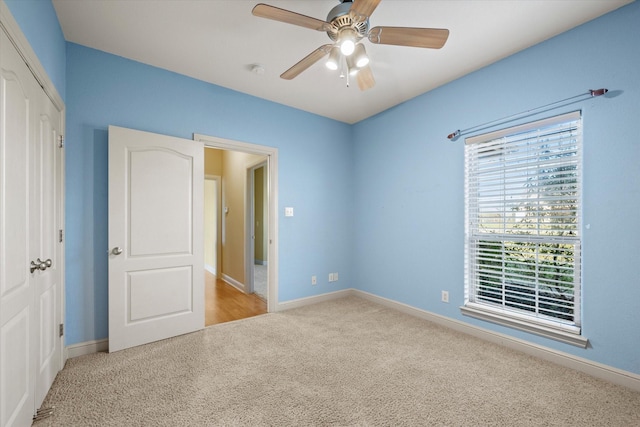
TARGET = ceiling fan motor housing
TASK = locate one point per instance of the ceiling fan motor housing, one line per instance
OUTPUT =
(339, 19)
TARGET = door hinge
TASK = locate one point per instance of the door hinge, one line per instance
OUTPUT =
(43, 413)
(60, 141)
(60, 234)
(61, 329)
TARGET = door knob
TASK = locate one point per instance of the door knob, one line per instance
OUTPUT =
(42, 265)
(38, 265)
(48, 263)
(117, 250)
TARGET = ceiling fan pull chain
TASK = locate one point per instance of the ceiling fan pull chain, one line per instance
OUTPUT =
(344, 75)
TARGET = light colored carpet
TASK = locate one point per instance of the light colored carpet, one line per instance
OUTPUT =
(347, 362)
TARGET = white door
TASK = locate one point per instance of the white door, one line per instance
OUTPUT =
(31, 257)
(46, 203)
(17, 340)
(156, 254)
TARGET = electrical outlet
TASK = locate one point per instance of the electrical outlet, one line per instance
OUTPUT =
(445, 296)
(330, 277)
(314, 280)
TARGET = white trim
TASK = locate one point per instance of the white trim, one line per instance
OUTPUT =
(595, 369)
(233, 282)
(62, 246)
(19, 40)
(533, 326)
(301, 302)
(217, 179)
(87, 347)
(249, 225)
(272, 153)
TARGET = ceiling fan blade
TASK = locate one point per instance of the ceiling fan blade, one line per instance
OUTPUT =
(433, 38)
(361, 10)
(306, 62)
(365, 78)
(271, 12)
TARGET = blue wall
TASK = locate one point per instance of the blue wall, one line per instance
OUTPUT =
(39, 23)
(380, 201)
(314, 156)
(409, 233)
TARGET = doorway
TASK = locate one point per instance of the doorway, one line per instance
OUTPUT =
(257, 229)
(238, 169)
(163, 275)
(212, 223)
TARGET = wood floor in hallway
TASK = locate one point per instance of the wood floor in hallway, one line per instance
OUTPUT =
(224, 303)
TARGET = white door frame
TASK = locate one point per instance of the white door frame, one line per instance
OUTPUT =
(217, 179)
(49, 172)
(250, 229)
(21, 43)
(272, 190)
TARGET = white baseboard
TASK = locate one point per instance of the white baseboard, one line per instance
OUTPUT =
(233, 282)
(87, 347)
(288, 305)
(595, 369)
(210, 269)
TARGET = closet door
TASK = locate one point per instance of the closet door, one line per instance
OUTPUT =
(18, 91)
(31, 197)
(45, 197)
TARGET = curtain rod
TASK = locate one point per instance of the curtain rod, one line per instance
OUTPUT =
(591, 93)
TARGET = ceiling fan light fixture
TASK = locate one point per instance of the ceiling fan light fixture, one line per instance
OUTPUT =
(347, 41)
(347, 47)
(351, 66)
(334, 59)
(362, 60)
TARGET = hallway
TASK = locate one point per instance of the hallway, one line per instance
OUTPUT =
(224, 303)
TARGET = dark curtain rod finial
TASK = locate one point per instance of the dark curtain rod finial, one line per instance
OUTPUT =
(592, 92)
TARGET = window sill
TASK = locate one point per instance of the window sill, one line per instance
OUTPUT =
(479, 312)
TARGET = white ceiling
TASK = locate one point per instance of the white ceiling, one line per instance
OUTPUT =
(217, 41)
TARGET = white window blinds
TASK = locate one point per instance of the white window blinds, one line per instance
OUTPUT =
(523, 203)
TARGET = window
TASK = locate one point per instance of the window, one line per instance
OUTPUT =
(523, 240)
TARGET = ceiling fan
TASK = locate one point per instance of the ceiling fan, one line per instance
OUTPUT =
(346, 25)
